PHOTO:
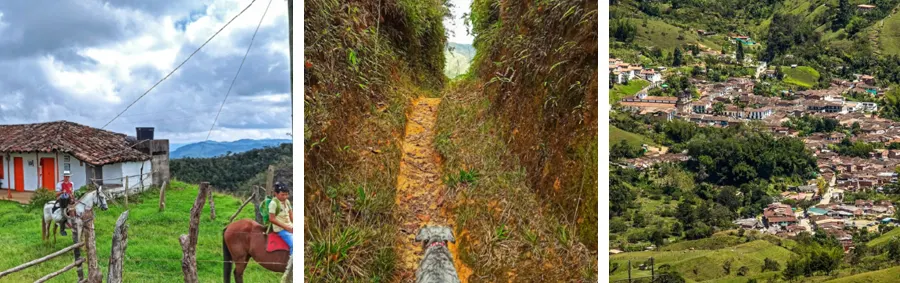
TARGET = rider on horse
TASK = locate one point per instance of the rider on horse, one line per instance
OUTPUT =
(64, 194)
(281, 215)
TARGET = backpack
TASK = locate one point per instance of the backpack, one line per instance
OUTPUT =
(264, 208)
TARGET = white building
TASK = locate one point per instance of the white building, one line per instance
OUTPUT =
(33, 156)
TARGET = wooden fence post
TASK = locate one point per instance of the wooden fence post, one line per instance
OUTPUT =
(252, 196)
(212, 207)
(90, 238)
(162, 196)
(257, 201)
(126, 192)
(270, 180)
(289, 271)
(189, 241)
(76, 238)
(117, 255)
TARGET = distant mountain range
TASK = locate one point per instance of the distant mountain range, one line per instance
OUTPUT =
(214, 148)
(459, 59)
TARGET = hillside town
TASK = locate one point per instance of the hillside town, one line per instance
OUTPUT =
(732, 102)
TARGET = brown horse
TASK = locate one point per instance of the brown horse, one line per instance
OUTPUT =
(245, 239)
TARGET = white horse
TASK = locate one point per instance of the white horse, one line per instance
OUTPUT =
(87, 202)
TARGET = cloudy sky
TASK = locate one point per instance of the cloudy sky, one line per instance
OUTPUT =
(85, 61)
(456, 28)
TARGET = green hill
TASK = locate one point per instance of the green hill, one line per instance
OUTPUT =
(231, 172)
(153, 253)
(616, 135)
(884, 239)
(702, 265)
(884, 275)
(459, 59)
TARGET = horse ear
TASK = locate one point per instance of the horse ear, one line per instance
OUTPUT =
(446, 234)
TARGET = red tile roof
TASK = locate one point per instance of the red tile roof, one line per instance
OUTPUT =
(91, 145)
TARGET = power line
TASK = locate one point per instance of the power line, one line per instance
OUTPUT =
(179, 65)
(238, 70)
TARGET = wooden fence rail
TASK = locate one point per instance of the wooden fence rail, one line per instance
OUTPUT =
(83, 229)
(40, 260)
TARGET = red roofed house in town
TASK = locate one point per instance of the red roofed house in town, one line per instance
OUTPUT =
(36, 155)
(779, 214)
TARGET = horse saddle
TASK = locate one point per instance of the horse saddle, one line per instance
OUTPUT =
(276, 243)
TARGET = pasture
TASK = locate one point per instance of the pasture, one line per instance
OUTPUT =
(801, 76)
(616, 135)
(153, 253)
(703, 265)
(619, 90)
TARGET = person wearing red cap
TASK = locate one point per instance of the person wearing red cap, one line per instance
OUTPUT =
(64, 194)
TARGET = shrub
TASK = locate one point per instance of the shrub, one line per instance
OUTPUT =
(41, 196)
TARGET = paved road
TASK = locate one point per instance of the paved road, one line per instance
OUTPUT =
(826, 199)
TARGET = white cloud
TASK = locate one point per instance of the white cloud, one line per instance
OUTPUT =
(83, 84)
(121, 50)
(455, 26)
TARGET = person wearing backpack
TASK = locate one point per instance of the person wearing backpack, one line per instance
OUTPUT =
(281, 216)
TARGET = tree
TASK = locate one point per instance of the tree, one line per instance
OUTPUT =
(719, 108)
(894, 250)
(822, 185)
(658, 237)
(770, 265)
(842, 18)
(617, 225)
(623, 149)
(793, 270)
(623, 30)
(621, 198)
(740, 53)
(676, 57)
(726, 266)
(743, 270)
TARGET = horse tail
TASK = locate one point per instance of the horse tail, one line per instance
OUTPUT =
(227, 259)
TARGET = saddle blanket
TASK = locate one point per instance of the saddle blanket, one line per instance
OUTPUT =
(276, 243)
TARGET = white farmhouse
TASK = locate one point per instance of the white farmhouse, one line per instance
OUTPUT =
(35, 155)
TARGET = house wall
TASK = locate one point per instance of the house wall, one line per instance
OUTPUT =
(133, 170)
(31, 170)
(112, 174)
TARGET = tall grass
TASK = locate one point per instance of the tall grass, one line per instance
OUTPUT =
(504, 230)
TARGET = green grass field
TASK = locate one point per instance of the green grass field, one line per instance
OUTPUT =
(711, 243)
(665, 36)
(884, 275)
(153, 253)
(889, 38)
(619, 91)
(884, 239)
(801, 76)
(616, 135)
(703, 265)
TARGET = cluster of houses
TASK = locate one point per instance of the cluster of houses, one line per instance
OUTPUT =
(626, 72)
(833, 219)
(735, 99)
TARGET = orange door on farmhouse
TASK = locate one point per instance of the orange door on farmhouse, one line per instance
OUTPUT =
(19, 174)
(48, 173)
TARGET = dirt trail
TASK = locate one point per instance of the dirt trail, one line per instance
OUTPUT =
(420, 190)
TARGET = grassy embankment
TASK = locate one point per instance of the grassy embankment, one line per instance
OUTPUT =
(362, 70)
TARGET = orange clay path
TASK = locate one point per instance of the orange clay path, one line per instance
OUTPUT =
(420, 190)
